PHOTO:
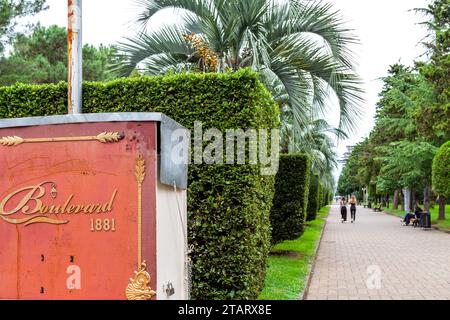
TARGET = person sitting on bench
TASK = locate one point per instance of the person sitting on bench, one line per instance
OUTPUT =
(415, 218)
(417, 215)
(407, 218)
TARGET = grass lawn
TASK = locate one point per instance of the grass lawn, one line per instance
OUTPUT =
(441, 224)
(289, 261)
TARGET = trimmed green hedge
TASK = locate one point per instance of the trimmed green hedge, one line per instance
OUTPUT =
(325, 197)
(329, 197)
(441, 171)
(319, 197)
(228, 206)
(291, 196)
(313, 198)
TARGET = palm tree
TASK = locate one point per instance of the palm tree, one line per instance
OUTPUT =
(301, 49)
(315, 140)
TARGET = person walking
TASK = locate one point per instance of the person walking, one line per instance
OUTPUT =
(353, 203)
(343, 203)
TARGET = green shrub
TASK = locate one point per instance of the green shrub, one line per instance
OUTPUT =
(288, 213)
(320, 196)
(327, 198)
(313, 198)
(228, 206)
(441, 170)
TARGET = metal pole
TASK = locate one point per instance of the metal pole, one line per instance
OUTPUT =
(75, 56)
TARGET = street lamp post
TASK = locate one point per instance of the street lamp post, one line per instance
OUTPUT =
(75, 56)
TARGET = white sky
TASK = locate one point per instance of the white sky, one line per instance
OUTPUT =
(388, 31)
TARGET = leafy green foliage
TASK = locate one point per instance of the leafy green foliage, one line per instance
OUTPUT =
(404, 92)
(315, 140)
(10, 12)
(325, 198)
(358, 170)
(42, 58)
(407, 163)
(301, 48)
(434, 119)
(319, 196)
(395, 155)
(291, 196)
(313, 198)
(228, 206)
(402, 156)
(441, 171)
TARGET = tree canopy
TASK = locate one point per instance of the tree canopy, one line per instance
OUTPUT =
(441, 171)
(41, 57)
(299, 47)
(434, 118)
(411, 123)
(10, 12)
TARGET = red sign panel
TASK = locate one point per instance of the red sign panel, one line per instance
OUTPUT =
(77, 211)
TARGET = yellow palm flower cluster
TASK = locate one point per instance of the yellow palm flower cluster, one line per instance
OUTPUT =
(209, 57)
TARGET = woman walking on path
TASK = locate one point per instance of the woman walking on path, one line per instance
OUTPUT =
(353, 203)
(343, 204)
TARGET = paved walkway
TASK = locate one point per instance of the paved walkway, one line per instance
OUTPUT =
(375, 259)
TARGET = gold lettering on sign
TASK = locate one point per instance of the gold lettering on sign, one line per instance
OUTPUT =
(30, 204)
(104, 137)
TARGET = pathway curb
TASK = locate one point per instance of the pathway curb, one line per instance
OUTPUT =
(311, 266)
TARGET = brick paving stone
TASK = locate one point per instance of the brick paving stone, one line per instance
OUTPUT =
(378, 258)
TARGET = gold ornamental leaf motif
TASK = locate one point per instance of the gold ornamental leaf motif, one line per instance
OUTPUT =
(11, 141)
(139, 286)
(108, 137)
(140, 169)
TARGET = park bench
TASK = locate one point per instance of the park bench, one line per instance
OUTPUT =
(368, 205)
(414, 222)
(420, 222)
(377, 208)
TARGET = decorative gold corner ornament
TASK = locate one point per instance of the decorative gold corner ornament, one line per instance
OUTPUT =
(109, 137)
(140, 170)
(104, 137)
(139, 286)
(11, 141)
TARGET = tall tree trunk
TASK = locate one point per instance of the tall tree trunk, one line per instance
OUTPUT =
(426, 198)
(407, 199)
(387, 200)
(395, 203)
(402, 200)
(441, 208)
(411, 200)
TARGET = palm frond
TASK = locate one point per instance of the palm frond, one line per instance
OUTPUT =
(166, 40)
